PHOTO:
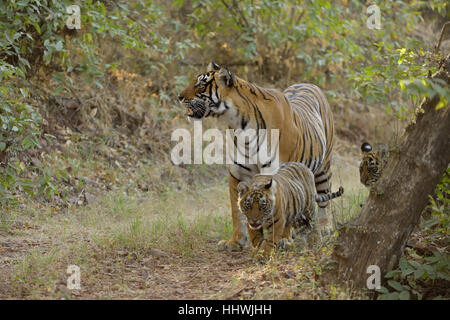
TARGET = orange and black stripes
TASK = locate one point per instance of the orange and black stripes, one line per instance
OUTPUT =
(301, 114)
(372, 164)
(316, 122)
(276, 203)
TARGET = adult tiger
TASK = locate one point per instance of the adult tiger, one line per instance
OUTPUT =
(301, 114)
(279, 202)
(372, 164)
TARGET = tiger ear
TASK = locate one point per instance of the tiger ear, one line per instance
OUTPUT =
(242, 188)
(268, 184)
(212, 66)
(366, 147)
(226, 78)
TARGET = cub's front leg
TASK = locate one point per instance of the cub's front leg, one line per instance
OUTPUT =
(256, 237)
(286, 240)
(275, 233)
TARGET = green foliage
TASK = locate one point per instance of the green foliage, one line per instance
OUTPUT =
(427, 88)
(401, 68)
(34, 34)
(271, 42)
(329, 42)
(441, 7)
(19, 131)
(30, 29)
(31, 35)
(404, 280)
(438, 225)
(324, 42)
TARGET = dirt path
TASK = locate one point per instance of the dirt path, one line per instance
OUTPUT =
(159, 275)
(110, 240)
(207, 275)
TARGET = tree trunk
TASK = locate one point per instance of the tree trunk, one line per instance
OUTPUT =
(379, 234)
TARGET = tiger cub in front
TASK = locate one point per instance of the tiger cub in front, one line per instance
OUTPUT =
(277, 203)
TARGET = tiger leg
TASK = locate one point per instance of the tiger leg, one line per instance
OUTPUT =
(324, 219)
(286, 241)
(239, 237)
(274, 235)
(256, 237)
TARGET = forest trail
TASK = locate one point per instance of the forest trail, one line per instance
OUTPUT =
(89, 113)
(119, 259)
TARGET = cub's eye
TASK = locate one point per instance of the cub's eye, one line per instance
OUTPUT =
(247, 204)
(262, 202)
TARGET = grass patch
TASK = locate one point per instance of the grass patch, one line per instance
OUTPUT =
(181, 215)
(117, 227)
(177, 222)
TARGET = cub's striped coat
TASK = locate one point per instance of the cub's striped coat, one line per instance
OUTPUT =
(372, 164)
(279, 202)
(301, 114)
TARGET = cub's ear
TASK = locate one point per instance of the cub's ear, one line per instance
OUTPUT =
(366, 147)
(268, 184)
(226, 78)
(242, 188)
(212, 66)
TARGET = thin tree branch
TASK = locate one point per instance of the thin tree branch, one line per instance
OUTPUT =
(238, 9)
(441, 36)
(233, 13)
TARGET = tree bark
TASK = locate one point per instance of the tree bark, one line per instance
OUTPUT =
(379, 234)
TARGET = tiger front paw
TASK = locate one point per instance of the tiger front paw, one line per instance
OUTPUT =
(229, 245)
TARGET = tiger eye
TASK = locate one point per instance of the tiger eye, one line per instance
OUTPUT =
(262, 202)
(247, 204)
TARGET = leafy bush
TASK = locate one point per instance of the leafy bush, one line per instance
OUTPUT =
(325, 42)
(410, 272)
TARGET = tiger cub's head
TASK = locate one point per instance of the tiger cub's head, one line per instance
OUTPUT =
(203, 95)
(372, 163)
(257, 200)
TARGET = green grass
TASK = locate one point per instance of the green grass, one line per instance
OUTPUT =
(35, 274)
(185, 213)
(177, 223)
(165, 222)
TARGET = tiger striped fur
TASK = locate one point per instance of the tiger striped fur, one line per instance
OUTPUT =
(372, 164)
(276, 203)
(301, 114)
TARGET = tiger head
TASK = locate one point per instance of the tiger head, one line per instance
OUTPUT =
(203, 95)
(372, 163)
(257, 200)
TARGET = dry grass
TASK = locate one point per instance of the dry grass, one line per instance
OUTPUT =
(116, 228)
(139, 227)
(155, 244)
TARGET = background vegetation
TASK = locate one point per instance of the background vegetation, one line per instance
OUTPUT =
(85, 113)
